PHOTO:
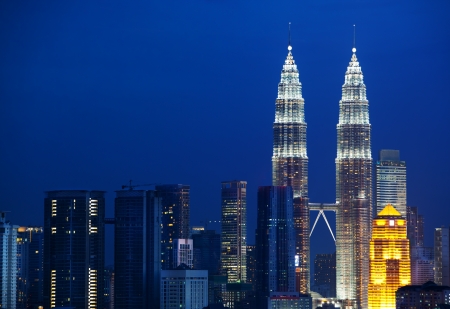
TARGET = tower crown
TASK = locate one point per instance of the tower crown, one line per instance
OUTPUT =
(389, 211)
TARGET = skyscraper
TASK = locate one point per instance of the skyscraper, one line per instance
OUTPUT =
(325, 274)
(234, 230)
(175, 201)
(442, 256)
(389, 258)
(74, 248)
(290, 161)
(137, 250)
(353, 188)
(207, 251)
(390, 185)
(415, 224)
(275, 251)
(8, 263)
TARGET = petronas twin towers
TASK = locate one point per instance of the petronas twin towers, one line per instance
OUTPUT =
(353, 178)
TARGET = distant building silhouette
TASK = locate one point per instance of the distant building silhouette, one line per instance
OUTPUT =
(234, 230)
(137, 251)
(442, 256)
(175, 203)
(389, 258)
(325, 275)
(8, 265)
(207, 251)
(30, 256)
(428, 295)
(74, 248)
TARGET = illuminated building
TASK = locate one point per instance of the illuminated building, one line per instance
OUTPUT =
(427, 295)
(353, 188)
(389, 258)
(30, 242)
(137, 249)
(184, 288)
(290, 301)
(442, 256)
(325, 275)
(175, 201)
(74, 245)
(234, 231)
(275, 251)
(183, 252)
(290, 161)
(414, 228)
(8, 263)
(390, 185)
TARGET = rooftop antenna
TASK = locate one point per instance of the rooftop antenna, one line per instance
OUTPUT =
(354, 39)
(289, 32)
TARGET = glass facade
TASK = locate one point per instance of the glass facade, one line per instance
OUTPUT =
(74, 248)
(290, 161)
(137, 251)
(353, 188)
(234, 231)
(275, 252)
(389, 258)
(390, 181)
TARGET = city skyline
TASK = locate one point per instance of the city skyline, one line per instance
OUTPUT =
(73, 93)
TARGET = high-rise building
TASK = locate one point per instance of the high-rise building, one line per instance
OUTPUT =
(175, 201)
(137, 249)
(353, 188)
(422, 265)
(389, 258)
(30, 242)
(415, 224)
(183, 250)
(325, 274)
(290, 161)
(251, 265)
(275, 251)
(442, 256)
(234, 230)
(8, 263)
(74, 248)
(184, 288)
(390, 185)
(207, 251)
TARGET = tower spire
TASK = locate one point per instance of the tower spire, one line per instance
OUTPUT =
(289, 37)
(354, 39)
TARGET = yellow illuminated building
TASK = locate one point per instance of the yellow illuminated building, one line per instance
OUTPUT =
(389, 258)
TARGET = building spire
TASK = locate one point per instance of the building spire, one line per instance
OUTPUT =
(354, 39)
(289, 35)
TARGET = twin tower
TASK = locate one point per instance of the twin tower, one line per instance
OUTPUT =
(353, 178)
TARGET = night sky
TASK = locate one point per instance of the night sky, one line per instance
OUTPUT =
(95, 93)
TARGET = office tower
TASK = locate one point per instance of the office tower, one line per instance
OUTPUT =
(290, 301)
(422, 265)
(74, 248)
(290, 161)
(137, 250)
(390, 185)
(108, 287)
(175, 200)
(234, 230)
(442, 256)
(207, 251)
(427, 295)
(325, 274)
(251, 265)
(389, 258)
(275, 239)
(30, 242)
(353, 188)
(183, 252)
(8, 265)
(184, 288)
(415, 224)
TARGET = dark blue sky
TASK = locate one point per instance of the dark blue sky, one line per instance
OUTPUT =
(94, 93)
